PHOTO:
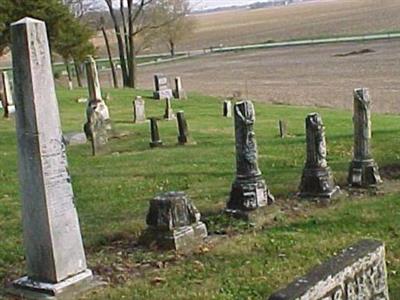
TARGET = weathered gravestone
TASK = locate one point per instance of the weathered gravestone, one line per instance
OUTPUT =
(359, 272)
(98, 122)
(139, 115)
(249, 190)
(173, 223)
(317, 179)
(6, 95)
(155, 134)
(363, 169)
(179, 92)
(182, 128)
(161, 89)
(227, 109)
(282, 128)
(168, 114)
(56, 263)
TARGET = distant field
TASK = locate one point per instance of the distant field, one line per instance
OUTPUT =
(312, 19)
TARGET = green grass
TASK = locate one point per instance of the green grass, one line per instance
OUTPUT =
(112, 192)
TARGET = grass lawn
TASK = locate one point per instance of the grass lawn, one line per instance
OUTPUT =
(112, 192)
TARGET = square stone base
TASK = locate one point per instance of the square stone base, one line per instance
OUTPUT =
(258, 217)
(364, 174)
(183, 239)
(68, 289)
(156, 144)
(163, 94)
(318, 183)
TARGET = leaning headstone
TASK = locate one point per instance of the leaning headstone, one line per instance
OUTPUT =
(155, 134)
(179, 92)
(168, 114)
(363, 169)
(359, 272)
(282, 129)
(139, 115)
(227, 109)
(6, 95)
(249, 190)
(161, 89)
(317, 179)
(173, 223)
(56, 263)
(182, 128)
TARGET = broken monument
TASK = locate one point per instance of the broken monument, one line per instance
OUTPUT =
(317, 179)
(182, 128)
(155, 134)
(363, 172)
(249, 190)
(179, 92)
(173, 223)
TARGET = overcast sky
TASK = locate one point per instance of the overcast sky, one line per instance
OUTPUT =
(204, 4)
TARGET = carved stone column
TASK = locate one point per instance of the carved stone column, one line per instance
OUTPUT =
(249, 190)
(317, 180)
(363, 170)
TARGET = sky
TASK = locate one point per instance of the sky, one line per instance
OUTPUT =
(206, 4)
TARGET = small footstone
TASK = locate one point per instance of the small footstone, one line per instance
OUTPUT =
(173, 223)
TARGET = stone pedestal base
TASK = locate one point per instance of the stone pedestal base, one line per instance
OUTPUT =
(156, 144)
(182, 139)
(70, 288)
(318, 183)
(182, 239)
(163, 94)
(249, 194)
(364, 174)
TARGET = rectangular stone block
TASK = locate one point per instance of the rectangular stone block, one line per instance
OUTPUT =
(359, 272)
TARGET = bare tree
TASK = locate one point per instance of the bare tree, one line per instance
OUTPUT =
(180, 26)
(131, 21)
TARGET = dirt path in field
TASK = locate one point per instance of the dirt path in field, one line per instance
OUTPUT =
(322, 75)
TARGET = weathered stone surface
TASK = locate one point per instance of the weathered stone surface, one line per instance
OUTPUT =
(52, 238)
(161, 89)
(363, 170)
(282, 129)
(182, 128)
(317, 179)
(227, 109)
(249, 190)
(179, 92)
(359, 272)
(6, 95)
(75, 138)
(168, 114)
(155, 134)
(98, 122)
(173, 223)
(139, 114)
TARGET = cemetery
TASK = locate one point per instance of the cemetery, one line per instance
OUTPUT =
(122, 193)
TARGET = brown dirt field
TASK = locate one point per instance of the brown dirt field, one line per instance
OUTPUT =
(304, 75)
(325, 18)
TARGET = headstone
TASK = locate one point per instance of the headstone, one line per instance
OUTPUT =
(168, 114)
(282, 129)
(6, 95)
(182, 128)
(161, 89)
(179, 92)
(249, 190)
(98, 122)
(173, 223)
(139, 115)
(359, 272)
(227, 109)
(363, 169)
(56, 263)
(317, 179)
(75, 138)
(155, 135)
